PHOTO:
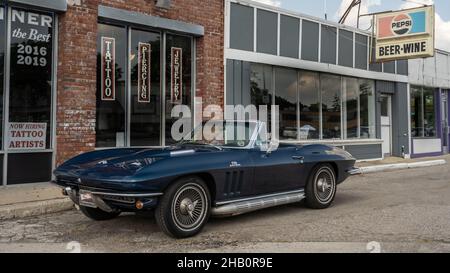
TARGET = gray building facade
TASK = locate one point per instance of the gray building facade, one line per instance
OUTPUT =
(320, 75)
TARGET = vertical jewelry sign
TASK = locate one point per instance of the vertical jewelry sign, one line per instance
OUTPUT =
(176, 75)
(144, 72)
(108, 69)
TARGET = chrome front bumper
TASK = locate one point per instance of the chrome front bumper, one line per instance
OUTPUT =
(100, 198)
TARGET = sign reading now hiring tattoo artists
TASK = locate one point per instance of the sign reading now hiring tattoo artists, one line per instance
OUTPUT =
(144, 72)
(108, 77)
(405, 34)
(176, 75)
(27, 135)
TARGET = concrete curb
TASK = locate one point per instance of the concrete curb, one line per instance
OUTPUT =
(399, 166)
(28, 209)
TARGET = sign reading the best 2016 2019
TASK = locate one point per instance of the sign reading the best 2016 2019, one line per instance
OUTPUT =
(176, 75)
(108, 71)
(27, 135)
(405, 34)
(144, 72)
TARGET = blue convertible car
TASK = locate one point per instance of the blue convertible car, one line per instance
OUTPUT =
(188, 182)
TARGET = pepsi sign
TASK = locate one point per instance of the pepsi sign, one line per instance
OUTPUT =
(405, 34)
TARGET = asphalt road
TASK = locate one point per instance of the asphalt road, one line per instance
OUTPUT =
(403, 211)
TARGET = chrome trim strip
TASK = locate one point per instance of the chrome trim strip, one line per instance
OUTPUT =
(258, 197)
(136, 195)
(176, 153)
(242, 207)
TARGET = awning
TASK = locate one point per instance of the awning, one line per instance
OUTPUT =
(142, 19)
(54, 5)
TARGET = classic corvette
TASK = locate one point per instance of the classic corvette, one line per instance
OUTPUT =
(188, 182)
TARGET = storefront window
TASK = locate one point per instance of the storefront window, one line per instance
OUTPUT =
(309, 102)
(416, 112)
(351, 95)
(286, 99)
(178, 77)
(423, 117)
(145, 124)
(429, 120)
(111, 86)
(331, 106)
(261, 93)
(367, 109)
(30, 99)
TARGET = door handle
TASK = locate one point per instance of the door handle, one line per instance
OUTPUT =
(301, 158)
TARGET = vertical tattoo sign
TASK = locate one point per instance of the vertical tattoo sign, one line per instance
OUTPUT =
(108, 69)
(144, 72)
(176, 75)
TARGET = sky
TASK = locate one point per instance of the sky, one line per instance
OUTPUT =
(335, 9)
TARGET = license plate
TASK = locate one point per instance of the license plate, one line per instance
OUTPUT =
(87, 199)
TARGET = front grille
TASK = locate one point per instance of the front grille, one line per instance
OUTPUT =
(120, 199)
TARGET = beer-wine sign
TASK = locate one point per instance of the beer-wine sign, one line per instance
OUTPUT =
(176, 75)
(144, 72)
(108, 64)
(405, 34)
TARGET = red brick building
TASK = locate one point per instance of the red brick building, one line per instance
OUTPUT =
(100, 74)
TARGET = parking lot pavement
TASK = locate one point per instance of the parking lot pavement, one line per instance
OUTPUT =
(402, 211)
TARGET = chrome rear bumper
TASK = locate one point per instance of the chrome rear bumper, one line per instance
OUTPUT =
(354, 171)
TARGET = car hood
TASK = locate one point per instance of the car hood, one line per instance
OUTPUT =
(119, 163)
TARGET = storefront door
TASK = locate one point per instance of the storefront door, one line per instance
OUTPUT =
(152, 74)
(386, 124)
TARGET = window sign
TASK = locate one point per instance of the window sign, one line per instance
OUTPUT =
(27, 135)
(144, 72)
(177, 75)
(30, 98)
(108, 69)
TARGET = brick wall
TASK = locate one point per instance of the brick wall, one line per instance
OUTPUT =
(76, 109)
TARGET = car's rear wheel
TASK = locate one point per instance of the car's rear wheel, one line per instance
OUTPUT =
(321, 187)
(98, 214)
(184, 208)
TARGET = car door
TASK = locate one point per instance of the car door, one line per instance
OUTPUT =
(278, 171)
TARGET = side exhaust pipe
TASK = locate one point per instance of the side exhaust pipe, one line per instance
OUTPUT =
(258, 203)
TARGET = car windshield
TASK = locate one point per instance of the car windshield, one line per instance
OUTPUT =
(221, 134)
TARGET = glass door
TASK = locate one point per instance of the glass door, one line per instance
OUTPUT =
(445, 125)
(145, 100)
(386, 124)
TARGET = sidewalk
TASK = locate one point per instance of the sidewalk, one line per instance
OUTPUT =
(397, 160)
(397, 163)
(37, 199)
(31, 200)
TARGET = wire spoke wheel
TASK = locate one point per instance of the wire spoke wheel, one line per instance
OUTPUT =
(189, 207)
(324, 185)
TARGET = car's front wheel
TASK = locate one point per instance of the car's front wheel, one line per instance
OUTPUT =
(321, 187)
(184, 208)
(98, 214)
